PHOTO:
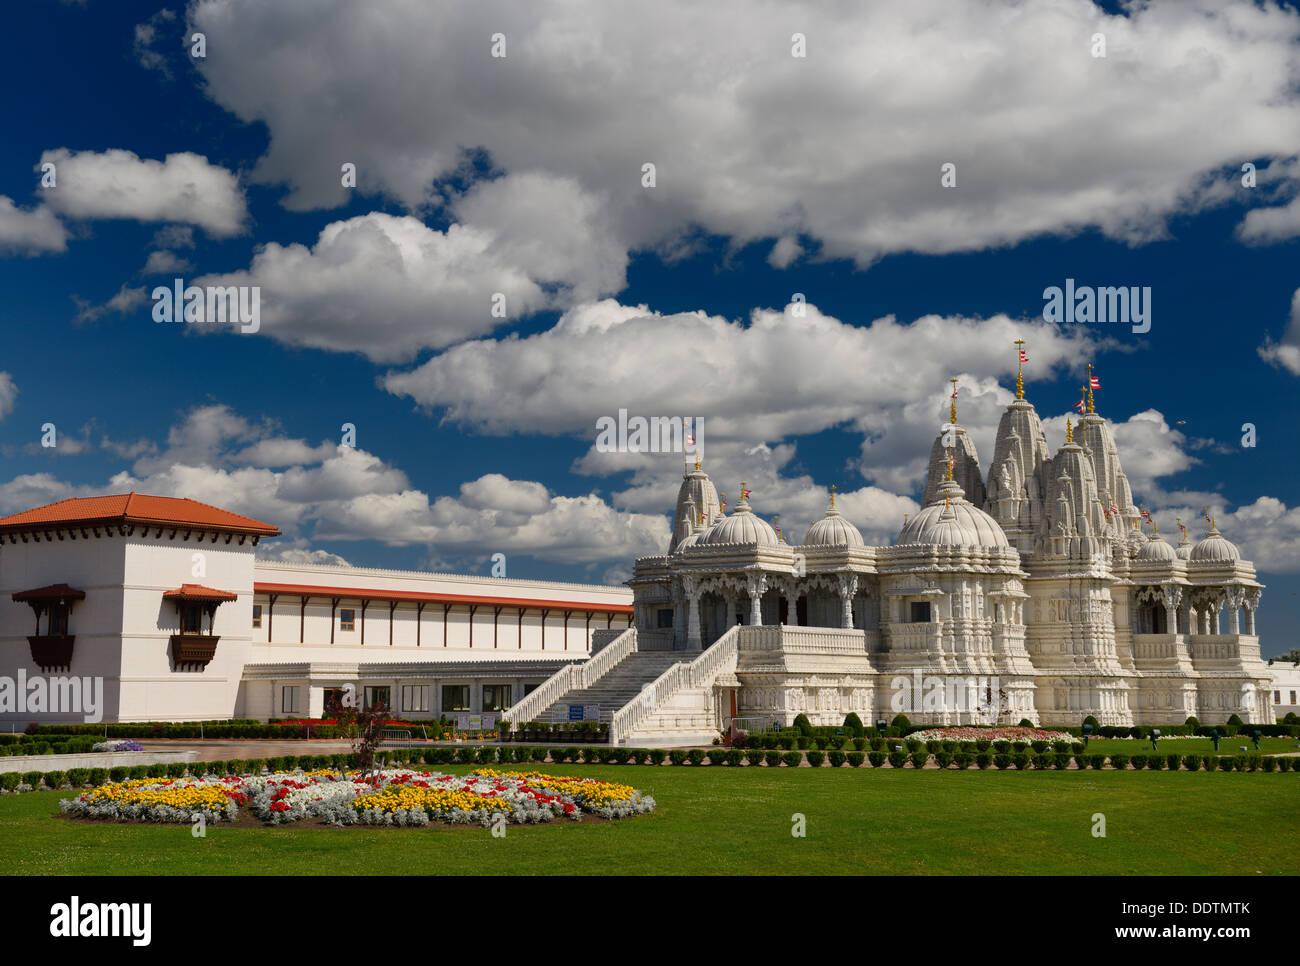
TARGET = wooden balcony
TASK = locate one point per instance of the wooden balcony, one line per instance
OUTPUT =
(52, 653)
(193, 652)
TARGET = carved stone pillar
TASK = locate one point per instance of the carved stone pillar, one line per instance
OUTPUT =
(1236, 596)
(1250, 601)
(848, 587)
(691, 588)
(1173, 596)
(756, 587)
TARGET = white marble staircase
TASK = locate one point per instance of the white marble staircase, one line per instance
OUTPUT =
(617, 687)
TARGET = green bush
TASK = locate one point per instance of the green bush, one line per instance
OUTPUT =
(1192, 762)
(1081, 762)
(773, 759)
(1252, 762)
(485, 755)
(877, 744)
(696, 755)
(138, 771)
(1234, 720)
(962, 759)
(853, 725)
(792, 759)
(983, 760)
(1090, 720)
(943, 758)
(1019, 746)
(1192, 723)
(98, 776)
(1061, 760)
(855, 759)
(919, 758)
(815, 758)
(1002, 762)
(754, 757)
(1002, 747)
(735, 757)
(877, 759)
(33, 778)
(1020, 760)
(1025, 723)
(9, 780)
(1042, 762)
(657, 756)
(1038, 746)
(1119, 761)
(803, 725)
(1284, 764)
(1077, 747)
(55, 779)
(1098, 761)
(1269, 764)
(1226, 763)
(1156, 762)
(983, 745)
(897, 759)
(539, 753)
(677, 756)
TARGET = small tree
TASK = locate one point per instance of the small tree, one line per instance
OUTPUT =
(364, 725)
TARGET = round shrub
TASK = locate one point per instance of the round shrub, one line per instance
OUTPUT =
(877, 759)
(943, 759)
(1173, 761)
(539, 753)
(696, 755)
(900, 722)
(1042, 761)
(1061, 761)
(1119, 761)
(9, 780)
(735, 756)
(1269, 764)
(792, 758)
(803, 725)
(815, 758)
(1002, 762)
(855, 759)
(962, 759)
(1038, 746)
(853, 725)
(657, 756)
(983, 745)
(897, 759)
(773, 759)
(1098, 762)
(98, 776)
(55, 779)
(919, 758)
(33, 779)
(1139, 762)
(1002, 747)
(754, 757)
(1019, 746)
(1025, 723)
(861, 744)
(983, 759)
(176, 769)
(1192, 762)
(1020, 760)
(1156, 763)
(677, 756)
(139, 771)
(1285, 764)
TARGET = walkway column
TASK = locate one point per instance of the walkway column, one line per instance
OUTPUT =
(1250, 603)
(756, 585)
(848, 587)
(1173, 595)
(1236, 597)
(691, 588)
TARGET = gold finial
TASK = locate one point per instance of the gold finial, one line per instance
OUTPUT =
(952, 409)
(1069, 430)
(1020, 369)
(950, 462)
(1155, 527)
(1091, 407)
(832, 496)
(697, 462)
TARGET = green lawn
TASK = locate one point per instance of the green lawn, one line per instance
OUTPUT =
(724, 821)
(1191, 746)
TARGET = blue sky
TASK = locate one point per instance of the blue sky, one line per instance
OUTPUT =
(775, 175)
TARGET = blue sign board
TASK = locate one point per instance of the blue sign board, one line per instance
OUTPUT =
(575, 712)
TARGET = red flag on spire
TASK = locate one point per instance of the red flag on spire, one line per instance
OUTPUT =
(1094, 382)
(1024, 357)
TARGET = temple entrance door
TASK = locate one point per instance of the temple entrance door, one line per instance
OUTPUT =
(801, 608)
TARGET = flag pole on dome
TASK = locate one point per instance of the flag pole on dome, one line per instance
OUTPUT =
(1020, 369)
(952, 410)
(1093, 383)
(832, 496)
(1069, 430)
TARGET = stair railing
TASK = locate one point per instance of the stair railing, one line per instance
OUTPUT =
(571, 677)
(701, 672)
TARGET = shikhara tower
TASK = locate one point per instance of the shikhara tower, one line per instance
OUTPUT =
(1034, 592)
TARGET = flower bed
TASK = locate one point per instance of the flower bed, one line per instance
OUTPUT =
(338, 798)
(118, 746)
(989, 734)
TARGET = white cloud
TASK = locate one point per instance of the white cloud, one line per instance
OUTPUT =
(1286, 354)
(126, 300)
(389, 286)
(8, 394)
(164, 262)
(183, 187)
(30, 231)
(842, 147)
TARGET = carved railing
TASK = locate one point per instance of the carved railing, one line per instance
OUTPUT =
(571, 677)
(720, 656)
(807, 640)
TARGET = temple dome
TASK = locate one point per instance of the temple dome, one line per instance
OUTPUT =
(742, 527)
(833, 530)
(1214, 549)
(1157, 549)
(952, 521)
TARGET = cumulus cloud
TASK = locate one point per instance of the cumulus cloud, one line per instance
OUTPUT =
(165, 262)
(8, 394)
(31, 231)
(389, 286)
(126, 300)
(842, 147)
(1286, 353)
(183, 187)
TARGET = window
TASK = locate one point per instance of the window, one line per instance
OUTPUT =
(1293, 697)
(496, 697)
(1277, 697)
(377, 695)
(191, 619)
(665, 617)
(289, 700)
(331, 696)
(347, 620)
(455, 697)
(257, 615)
(415, 697)
(920, 611)
(58, 621)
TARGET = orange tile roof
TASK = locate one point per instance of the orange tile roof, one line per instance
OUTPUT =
(359, 593)
(198, 592)
(133, 508)
(52, 592)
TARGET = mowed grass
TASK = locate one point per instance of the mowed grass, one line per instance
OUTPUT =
(725, 821)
